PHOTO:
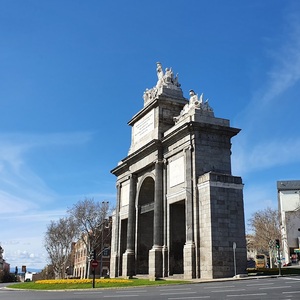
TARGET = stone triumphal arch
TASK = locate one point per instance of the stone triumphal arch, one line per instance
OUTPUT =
(179, 208)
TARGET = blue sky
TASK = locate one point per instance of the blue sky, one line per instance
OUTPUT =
(72, 74)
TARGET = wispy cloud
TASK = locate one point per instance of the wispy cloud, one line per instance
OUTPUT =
(26, 197)
(18, 182)
(285, 70)
(252, 154)
(266, 155)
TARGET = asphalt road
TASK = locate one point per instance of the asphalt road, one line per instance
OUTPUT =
(263, 288)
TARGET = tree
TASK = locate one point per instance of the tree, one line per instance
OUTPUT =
(90, 216)
(265, 226)
(59, 239)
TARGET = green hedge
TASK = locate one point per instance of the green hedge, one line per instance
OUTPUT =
(273, 271)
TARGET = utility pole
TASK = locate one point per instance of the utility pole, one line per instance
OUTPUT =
(94, 265)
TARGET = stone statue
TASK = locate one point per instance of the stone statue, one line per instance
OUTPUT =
(160, 73)
(193, 98)
(165, 81)
(195, 103)
(168, 76)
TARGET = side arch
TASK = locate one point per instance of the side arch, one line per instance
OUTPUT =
(145, 216)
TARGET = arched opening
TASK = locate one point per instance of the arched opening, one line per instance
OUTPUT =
(123, 243)
(145, 225)
(177, 237)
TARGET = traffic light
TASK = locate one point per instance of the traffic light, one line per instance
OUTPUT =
(277, 244)
(93, 254)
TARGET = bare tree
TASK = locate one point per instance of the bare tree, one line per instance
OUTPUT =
(90, 216)
(265, 225)
(58, 242)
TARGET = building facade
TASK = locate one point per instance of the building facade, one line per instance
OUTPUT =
(4, 266)
(81, 259)
(82, 256)
(179, 209)
(289, 208)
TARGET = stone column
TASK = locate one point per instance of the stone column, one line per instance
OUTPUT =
(165, 252)
(115, 239)
(189, 259)
(155, 254)
(128, 268)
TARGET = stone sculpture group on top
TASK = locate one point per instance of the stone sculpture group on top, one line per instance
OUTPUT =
(168, 80)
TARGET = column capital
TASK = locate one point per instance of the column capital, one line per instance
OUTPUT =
(188, 148)
(160, 161)
(132, 176)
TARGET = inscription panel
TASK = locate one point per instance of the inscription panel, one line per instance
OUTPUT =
(176, 171)
(143, 126)
(125, 194)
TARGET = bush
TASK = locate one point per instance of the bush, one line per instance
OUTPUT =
(5, 276)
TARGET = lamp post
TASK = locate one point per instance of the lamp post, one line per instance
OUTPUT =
(234, 259)
(104, 205)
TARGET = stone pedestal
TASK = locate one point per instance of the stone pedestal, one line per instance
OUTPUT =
(155, 263)
(128, 265)
(113, 266)
(189, 267)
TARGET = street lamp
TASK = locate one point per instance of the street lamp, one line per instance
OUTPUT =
(104, 220)
(234, 259)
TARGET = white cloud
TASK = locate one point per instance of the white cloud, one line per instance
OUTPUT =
(282, 76)
(24, 196)
(31, 258)
(251, 154)
(265, 155)
(18, 183)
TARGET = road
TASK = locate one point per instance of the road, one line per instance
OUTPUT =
(263, 288)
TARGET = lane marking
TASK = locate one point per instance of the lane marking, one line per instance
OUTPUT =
(247, 295)
(170, 289)
(291, 278)
(276, 287)
(196, 297)
(137, 291)
(184, 293)
(118, 296)
(84, 293)
(256, 284)
(225, 291)
(219, 287)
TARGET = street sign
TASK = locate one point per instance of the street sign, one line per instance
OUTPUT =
(94, 263)
(297, 250)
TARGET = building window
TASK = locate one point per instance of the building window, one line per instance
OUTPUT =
(106, 252)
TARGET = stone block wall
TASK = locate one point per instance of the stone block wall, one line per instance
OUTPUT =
(222, 224)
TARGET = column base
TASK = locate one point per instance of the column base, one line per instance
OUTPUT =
(189, 261)
(113, 272)
(128, 264)
(155, 263)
